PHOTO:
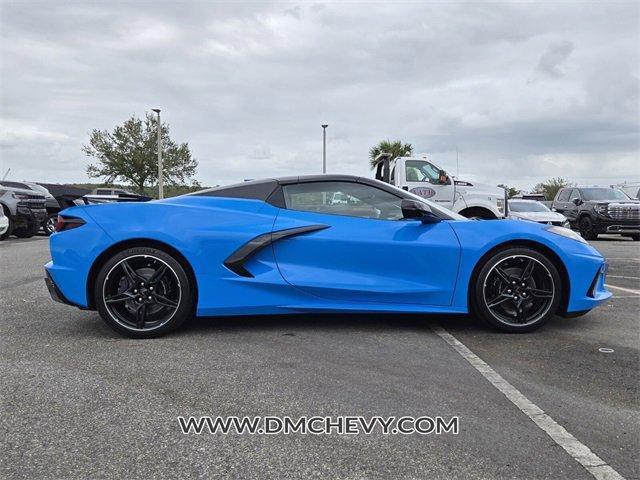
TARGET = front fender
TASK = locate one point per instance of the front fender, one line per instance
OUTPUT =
(581, 261)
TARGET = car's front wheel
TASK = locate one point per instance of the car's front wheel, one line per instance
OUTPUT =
(144, 292)
(517, 290)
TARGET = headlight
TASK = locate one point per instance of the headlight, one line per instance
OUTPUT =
(565, 232)
(500, 204)
(601, 209)
(20, 196)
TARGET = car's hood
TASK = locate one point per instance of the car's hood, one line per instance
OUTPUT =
(539, 216)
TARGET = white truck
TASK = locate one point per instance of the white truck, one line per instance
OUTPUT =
(426, 179)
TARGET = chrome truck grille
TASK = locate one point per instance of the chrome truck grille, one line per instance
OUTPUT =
(619, 211)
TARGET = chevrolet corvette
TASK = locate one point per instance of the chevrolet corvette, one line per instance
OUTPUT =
(324, 243)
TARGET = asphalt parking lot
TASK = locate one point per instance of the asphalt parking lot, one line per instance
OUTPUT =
(79, 401)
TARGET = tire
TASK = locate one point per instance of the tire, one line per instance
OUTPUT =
(128, 299)
(586, 229)
(517, 307)
(9, 231)
(635, 236)
(28, 231)
(49, 225)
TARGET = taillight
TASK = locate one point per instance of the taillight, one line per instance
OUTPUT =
(67, 223)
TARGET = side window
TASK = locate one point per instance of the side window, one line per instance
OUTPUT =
(343, 198)
(103, 192)
(563, 196)
(421, 171)
(575, 193)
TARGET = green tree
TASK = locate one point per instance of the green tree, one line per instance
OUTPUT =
(396, 149)
(130, 154)
(511, 191)
(550, 187)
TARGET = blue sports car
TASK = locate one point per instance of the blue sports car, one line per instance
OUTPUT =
(326, 243)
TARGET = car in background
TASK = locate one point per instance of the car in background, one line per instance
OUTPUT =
(51, 204)
(4, 223)
(25, 210)
(596, 210)
(535, 211)
(110, 195)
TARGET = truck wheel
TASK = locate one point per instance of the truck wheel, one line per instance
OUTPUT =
(635, 236)
(586, 229)
(477, 214)
(9, 231)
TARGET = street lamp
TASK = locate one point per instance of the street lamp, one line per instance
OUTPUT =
(160, 176)
(324, 148)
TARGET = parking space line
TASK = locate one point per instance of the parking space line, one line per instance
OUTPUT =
(577, 450)
(622, 276)
(622, 289)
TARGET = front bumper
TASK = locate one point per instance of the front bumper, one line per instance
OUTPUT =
(609, 225)
(31, 215)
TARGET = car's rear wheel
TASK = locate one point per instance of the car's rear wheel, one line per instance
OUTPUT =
(517, 290)
(586, 229)
(144, 292)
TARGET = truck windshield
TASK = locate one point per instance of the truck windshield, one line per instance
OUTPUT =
(603, 194)
(421, 171)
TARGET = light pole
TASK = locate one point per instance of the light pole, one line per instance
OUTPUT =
(324, 148)
(160, 176)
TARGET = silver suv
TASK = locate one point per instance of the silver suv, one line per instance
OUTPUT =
(25, 210)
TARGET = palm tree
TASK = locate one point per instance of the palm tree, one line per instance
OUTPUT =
(396, 149)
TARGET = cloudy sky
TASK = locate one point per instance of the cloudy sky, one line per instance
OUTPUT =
(524, 91)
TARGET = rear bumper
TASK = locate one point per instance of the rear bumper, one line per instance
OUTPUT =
(55, 293)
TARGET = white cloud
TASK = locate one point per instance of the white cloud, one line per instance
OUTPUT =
(524, 92)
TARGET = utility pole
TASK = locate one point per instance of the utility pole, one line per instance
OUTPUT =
(324, 148)
(160, 175)
(457, 164)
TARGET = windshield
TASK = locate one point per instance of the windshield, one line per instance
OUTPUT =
(603, 194)
(527, 207)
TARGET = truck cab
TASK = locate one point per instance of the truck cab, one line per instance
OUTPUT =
(426, 179)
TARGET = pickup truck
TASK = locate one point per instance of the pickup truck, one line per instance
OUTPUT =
(25, 210)
(596, 210)
(424, 178)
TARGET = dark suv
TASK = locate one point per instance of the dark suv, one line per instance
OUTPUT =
(594, 210)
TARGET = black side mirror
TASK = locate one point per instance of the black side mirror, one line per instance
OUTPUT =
(577, 202)
(412, 209)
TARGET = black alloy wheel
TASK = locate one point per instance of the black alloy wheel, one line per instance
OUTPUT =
(586, 229)
(517, 290)
(144, 292)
